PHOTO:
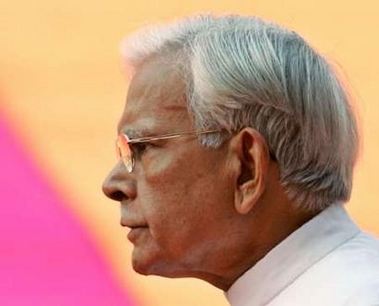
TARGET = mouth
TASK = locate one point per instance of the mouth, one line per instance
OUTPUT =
(132, 223)
(136, 232)
(136, 229)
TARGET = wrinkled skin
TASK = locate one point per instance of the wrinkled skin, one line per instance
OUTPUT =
(179, 198)
(194, 211)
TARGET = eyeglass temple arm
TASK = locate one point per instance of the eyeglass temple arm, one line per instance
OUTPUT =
(170, 136)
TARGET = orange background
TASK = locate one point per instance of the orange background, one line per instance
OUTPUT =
(62, 92)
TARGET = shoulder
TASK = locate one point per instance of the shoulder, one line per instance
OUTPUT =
(368, 295)
(352, 265)
(348, 275)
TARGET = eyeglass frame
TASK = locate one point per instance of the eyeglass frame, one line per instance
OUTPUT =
(130, 165)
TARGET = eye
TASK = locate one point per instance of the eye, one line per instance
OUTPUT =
(139, 148)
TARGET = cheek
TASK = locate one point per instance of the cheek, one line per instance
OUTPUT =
(179, 208)
(164, 181)
(172, 214)
(162, 166)
(179, 196)
(183, 181)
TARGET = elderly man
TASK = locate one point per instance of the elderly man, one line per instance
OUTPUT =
(237, 146)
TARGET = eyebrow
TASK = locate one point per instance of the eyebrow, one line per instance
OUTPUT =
(132, 133)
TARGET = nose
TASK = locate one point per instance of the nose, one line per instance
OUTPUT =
(119, 184)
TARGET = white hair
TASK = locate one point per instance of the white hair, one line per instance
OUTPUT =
(243, 71)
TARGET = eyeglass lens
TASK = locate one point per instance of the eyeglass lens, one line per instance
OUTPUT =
(124, 152)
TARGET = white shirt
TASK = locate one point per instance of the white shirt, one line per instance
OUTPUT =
(327, 261)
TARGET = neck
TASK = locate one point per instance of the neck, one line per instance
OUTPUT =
(271, 221)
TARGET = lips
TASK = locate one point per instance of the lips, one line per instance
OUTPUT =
(135, 233)
(136, 228)
(132, 224)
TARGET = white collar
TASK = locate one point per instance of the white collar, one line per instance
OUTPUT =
(292, 257)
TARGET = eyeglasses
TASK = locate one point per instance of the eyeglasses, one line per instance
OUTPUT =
(124, 148)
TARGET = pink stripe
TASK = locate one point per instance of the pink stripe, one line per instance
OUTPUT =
(46, 258)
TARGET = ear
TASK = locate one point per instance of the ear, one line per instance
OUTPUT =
(253, 158)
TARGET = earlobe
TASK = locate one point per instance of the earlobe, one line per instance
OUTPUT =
(254, 160)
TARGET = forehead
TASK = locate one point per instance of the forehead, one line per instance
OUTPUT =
(156, 97)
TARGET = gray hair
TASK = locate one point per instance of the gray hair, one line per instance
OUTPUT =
(244, 71)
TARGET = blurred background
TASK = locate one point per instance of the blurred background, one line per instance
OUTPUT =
(61, 95)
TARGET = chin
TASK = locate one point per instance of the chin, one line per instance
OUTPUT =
(140, 266)
(162, 268)
(140, 269)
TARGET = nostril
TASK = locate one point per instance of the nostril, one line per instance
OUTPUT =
(118, 185)
(117, 195)
(112, 191)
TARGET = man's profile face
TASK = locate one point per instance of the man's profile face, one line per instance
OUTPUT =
(178, 199)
